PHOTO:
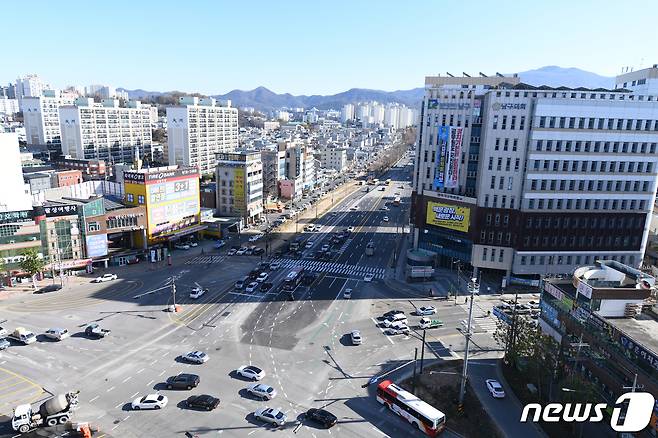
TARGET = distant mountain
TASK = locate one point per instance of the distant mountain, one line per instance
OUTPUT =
(555, 76)
(262, 98)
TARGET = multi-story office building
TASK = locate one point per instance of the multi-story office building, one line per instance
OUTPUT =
(274, 169)
(239, 177)
(197, 129)
(8, 106)
(29, 86)
(300, 166)
(41, 118)
(15, 194)
(106, 131)
(527, 180)
(333, 158)
(643, 81)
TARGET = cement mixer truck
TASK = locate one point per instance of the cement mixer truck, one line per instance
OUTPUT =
(54, 411)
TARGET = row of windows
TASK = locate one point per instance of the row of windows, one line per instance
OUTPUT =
(597, 123)
(593, 166)
(586, 204)
(131, 198)
(581, 241)
(577, 260)
(508, 164)
(501, 182)
(498, 240)
(590, 186)
(595, 146)
(122, 221)
(503, 201)
(602, 222)
(512, 122)
(506, 144)
(492, 255)
(574, 95)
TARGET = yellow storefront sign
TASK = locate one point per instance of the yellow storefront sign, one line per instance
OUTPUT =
(448, 216)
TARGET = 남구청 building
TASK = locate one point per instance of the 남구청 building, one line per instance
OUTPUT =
(534, 180)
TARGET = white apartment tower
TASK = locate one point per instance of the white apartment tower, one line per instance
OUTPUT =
(41, 117)
(197, 129)
(29, 86)
(106, 131)
(347, 113)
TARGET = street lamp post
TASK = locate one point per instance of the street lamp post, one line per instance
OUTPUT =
(474, 288)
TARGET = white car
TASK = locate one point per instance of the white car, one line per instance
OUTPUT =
(57, 334)
(428, 310)
(347, 293)
(399, 317)
(184, 246)
(368, 278)
(495, 388)
(271, 415)
(251, 372)
(192, 243)
(262, 391)
(196, 357)
(385, 218)
(398, 328)
(353, 208)
(255, 237)
(251, 287)
(3, 332)
(151, 401)
(318, 228)
(231, 252)
(241, 251)
(275, 266)
(350, 229)
(262, 277)
(105, 277)
(356, 338)
(197, 292)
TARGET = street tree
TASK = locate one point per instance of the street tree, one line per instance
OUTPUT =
(32, 264)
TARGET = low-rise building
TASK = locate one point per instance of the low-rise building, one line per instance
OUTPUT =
(333, 158)
(90, 168)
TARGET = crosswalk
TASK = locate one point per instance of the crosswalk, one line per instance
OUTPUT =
(334, 268)
(483, 323)
(205, 260)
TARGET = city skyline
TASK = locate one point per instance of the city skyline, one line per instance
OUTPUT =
(288, 48)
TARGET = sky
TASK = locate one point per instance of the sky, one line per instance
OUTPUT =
(307, 47)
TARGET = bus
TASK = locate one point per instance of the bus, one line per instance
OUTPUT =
(396, 201)
(293, 279)
(425, 417)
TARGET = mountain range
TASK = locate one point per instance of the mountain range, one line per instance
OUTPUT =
(262, 98)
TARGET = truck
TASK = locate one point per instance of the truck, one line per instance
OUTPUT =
(54, 411)
(95, 331)
(426, 323)
(22, 335)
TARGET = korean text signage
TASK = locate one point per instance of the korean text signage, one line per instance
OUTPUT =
(448, 216)
(507, 106)
(584, 289)
(648, 357)
(15, 216)
(435, 104)
(146, 178)
(448, 157)
(60, 210)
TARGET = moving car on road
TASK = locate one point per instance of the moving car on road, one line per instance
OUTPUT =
(355, 337)
(241, 251)
(321, 416)
(347, 293)
(426, 323)
(204, 401)
(495, 388)
(231, 252)
(183, 381)
(252, 287)
(270, 415)
(262, 391)
(183, 246)
(266, 286)
(426, 310)
(4, 344)
(368, 278)
(151, 401)
(350, 229)
(385, 219)
(197, 292)
(57, 334)
(196, 357)
(105, 277)
(251, 372)
(274, 266)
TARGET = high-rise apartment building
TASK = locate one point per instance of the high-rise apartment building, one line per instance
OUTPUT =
(239, 177)
(526, 180)
(29, 86)
(197, 129)
(347, 113)
(106, 131)
(41, 118)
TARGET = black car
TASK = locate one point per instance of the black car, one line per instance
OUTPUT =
(49, 288)
(391, 313)
(258, 251)
(254, 274)
(183, 381)
(205, 401)
(325, 418)
(309, 278)
(266, 286)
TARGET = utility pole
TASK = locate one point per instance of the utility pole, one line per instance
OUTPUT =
(474, 287)
(422, 353)
(173, 291)
(511, 339)
(413, 381)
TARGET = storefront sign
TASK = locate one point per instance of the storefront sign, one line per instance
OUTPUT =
(507, 106)
(584, 289)
(648, 357)
(61, 210)
(15, 216)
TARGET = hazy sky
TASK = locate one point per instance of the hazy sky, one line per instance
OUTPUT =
(309, 47)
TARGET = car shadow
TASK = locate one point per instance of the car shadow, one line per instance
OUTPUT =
(246, 394)
(180, 359)
(160, 386)
(346, 340)
(234, 375)
(43, 338)
(127, 407)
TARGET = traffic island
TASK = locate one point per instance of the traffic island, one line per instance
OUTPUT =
(439, 386)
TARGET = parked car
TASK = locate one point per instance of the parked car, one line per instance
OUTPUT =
(151, 401)
(204, 401)
(495, 388)
(258, 251)
(231, 252)
(273, 416)
(262, 391)
(355, 337)
(241, 251)
(219, 244)
(105, 277)
(4, 344)
(426, 310)
(3, 332)
(183, 246)
(397, 328)
(183, 381)
(347, 293)
(262, 277)
(192, 243)
(391, 313)
(321, 416)
(251, 372)
(196, 357)
(49, 288)
(394, 318)
(57, 334)
(266, 286)
(252, 287)
(368, 278)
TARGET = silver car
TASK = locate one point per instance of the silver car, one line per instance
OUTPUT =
(57, 334)
(262, 391)
(270, 415)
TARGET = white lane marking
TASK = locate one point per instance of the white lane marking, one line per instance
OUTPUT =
(134, 394)
(110, 389)
(126, 379)
(94, 399)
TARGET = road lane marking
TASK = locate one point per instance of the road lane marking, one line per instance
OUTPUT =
(134, 394)
(94, 399)
(110, 389)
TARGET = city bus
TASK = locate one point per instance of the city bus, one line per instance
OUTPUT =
(396, 201)
(425, 417)
(293, 279)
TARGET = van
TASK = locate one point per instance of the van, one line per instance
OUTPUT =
(240, 284)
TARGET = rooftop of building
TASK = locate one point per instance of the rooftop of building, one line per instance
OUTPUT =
(612, 274)
(642, 329)
(524, 86)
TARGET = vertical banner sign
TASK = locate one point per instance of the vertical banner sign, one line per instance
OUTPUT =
(442, 141)
(454, 158)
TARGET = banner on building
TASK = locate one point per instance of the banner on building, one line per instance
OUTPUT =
(584, 289)
(442, 141)
(448, 216)
(453, 158)
(96, 245)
